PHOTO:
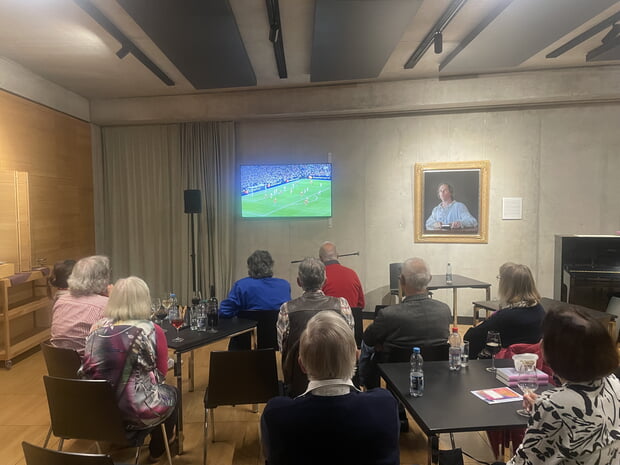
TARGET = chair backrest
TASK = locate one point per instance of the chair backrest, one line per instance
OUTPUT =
(242, 377)
(613, 308)
(61, 363)
(40, 456)
(265, 326)
(433, 353)
(84, 409)
(359, 324)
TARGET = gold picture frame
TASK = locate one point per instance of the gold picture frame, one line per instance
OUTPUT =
(465, 218)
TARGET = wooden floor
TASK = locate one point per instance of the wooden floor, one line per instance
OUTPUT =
(24, 417)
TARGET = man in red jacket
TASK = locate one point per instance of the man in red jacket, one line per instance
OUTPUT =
(341, 281)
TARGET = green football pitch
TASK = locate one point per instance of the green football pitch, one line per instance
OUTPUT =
(302, 198)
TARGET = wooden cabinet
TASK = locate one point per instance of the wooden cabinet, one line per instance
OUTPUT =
(25, 314)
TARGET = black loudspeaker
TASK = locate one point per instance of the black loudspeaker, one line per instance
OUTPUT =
(192, 201)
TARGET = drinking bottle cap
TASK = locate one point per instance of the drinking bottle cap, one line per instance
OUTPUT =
(455, 330)
(416, 350)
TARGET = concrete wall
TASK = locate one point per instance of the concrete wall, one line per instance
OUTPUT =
(552, 138)
(563, 162)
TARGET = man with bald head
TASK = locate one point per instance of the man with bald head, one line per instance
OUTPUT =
(340, 280)
(417, 321)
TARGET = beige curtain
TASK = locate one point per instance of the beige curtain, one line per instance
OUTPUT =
(208, 164)
(145, 229)
(142, 225)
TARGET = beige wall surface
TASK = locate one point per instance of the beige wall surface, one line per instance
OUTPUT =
(563, 163)
(54, 149)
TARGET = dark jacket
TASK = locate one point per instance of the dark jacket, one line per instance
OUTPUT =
(417, 320)
(515, 325)
(357, 428)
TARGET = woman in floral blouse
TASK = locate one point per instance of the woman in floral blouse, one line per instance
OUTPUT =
(577, 423)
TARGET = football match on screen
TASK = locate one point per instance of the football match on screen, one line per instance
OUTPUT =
(286, 191)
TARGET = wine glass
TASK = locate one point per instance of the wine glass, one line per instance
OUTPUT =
(494, 344)
(175, 315)
(155, 306)
(527, 381)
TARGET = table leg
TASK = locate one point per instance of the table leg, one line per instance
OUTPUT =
(454, 305)
(178, 372)
(433, 449)
(190, 370)
(254, 345)
(488, 289)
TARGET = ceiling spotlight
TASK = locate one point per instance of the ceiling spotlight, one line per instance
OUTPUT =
(122, 53)
(438, 42)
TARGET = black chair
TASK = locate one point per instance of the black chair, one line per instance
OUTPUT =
(238, 378)
(358, 319)
(432, 353)
(265, 330)
(41, 456)
(87, 409)
(60, 363)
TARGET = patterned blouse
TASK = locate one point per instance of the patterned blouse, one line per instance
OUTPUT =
(575, 424)
(125, 355)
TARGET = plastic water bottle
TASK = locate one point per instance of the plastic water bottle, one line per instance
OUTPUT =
(449, 274)
(455, 349)
(212, 311)
(416, 374)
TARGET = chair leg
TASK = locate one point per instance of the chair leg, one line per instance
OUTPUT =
(135, 459)
(47, 438)
(213, 425)
(204, 443)
(60, 443)
(165, 435)
(254, 408)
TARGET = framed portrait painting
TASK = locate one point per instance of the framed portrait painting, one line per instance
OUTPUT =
(451, 202)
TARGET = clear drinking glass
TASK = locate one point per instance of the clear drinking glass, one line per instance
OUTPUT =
(494, 344)
(527, 381)
(175, 315)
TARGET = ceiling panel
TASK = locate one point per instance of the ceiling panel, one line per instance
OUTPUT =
(200, 37)
(520, 30)
(353, 39)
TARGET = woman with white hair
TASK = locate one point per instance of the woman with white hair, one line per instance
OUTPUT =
(332, 422)
(130, 351)
(75, 312)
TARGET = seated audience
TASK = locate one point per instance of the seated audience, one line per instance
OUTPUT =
(332, 422)
(417, 321)
(74, 313)
(259, 291)
(520, 316)
(294, 316)
(59, 276)
(340, 281)
(130, 351)
(577, 423)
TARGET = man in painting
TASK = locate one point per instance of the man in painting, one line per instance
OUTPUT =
(450, 214)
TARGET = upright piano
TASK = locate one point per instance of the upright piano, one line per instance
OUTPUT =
(587, 270)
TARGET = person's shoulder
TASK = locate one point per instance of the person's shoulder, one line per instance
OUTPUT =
(278, 403)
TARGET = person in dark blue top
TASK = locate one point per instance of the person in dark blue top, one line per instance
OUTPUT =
(519, 319)
(259, 291)
(332, 422)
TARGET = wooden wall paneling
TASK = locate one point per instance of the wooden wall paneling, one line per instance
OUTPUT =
(8, 218)
(55, 150)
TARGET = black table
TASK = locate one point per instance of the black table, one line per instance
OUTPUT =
(458, 281)
(194, 340)
(609, 319)
(448, 406)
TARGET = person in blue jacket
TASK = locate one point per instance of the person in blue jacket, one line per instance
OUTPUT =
(259, 291)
